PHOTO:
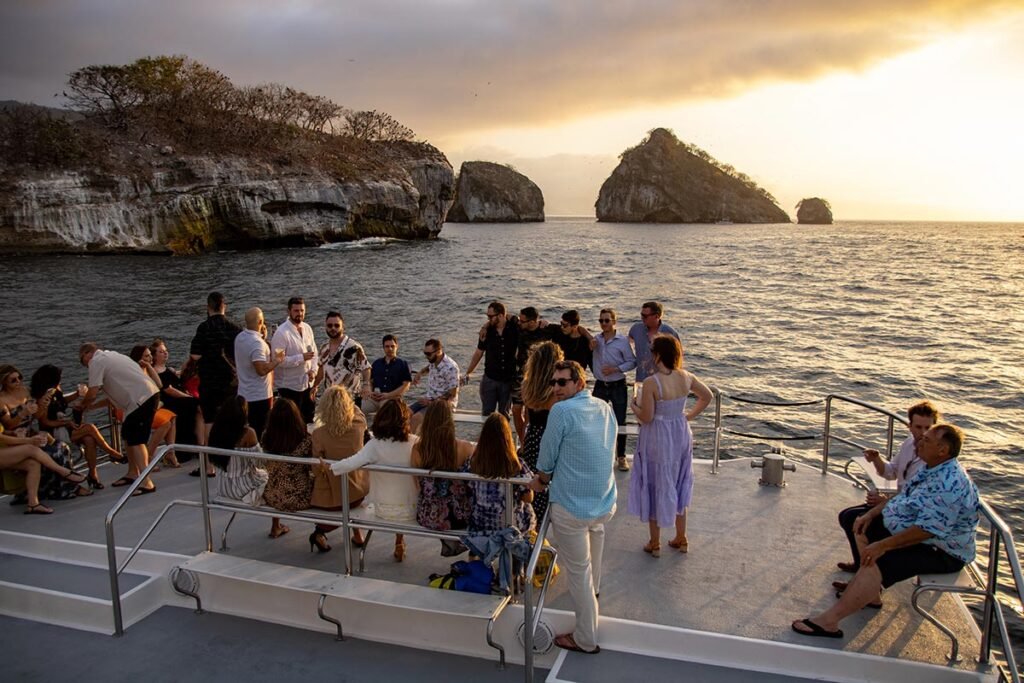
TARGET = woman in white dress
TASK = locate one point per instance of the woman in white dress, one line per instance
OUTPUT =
(393, 495)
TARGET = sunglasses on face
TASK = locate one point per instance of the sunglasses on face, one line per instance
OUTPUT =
(429, 354)
(561, 381)
(604, 320)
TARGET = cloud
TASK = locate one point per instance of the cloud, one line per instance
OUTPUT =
(455, 65)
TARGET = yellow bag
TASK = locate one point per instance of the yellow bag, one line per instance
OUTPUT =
(542, 564)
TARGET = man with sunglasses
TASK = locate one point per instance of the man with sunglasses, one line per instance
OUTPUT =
(641, 335)
(342, 360)
(442, 379)
(613, 357)
(576, 455)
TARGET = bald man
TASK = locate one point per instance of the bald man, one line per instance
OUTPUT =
(255, 369)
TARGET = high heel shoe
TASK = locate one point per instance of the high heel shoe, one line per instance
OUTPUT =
(399, 551)
(318, 540)
(653, 549)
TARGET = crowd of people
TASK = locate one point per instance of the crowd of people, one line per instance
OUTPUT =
(245, 389)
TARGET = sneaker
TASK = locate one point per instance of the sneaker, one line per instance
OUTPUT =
(623, 465)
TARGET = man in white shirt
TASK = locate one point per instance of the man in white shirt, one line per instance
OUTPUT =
(923, 416)
(129, 388)
(294, 377)
(255, 368)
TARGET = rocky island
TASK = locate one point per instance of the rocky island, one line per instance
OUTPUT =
(167, 155)
(486, 192)
(664, 180)
(814, 211)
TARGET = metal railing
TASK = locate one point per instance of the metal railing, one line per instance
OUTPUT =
(115, 568)
(1000, 536)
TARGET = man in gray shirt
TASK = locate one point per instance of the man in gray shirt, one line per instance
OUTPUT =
(613, 357)
(643, 333)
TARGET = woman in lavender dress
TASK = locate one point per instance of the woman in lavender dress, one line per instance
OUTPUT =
(662, 479)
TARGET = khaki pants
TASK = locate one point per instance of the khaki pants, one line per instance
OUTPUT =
(580, 544)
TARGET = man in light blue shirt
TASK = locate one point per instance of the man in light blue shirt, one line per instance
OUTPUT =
(641, 335)
(613, 357)
(576, 456)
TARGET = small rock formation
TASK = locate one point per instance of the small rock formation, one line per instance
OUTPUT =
(814, 211)
(486, 192)
(663, 180)
(190, 204)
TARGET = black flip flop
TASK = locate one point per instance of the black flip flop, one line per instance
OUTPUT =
(34, 510)
(143, 491)
(816, 631)
(123, 481)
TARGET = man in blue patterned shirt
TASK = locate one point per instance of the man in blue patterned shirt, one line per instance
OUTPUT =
(576, 456)
(927, 528)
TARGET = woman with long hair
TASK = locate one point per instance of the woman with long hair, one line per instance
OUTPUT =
(393, 495)
(661, 484)
(59, 418)
(339, 434)
(495, 458)
(242, 478)
(175, 398)
(290, 484)
(442, 504)
(538, 397)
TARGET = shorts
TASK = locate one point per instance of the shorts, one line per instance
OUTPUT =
(211, 399)
(517, 391)
(912, 560)
(137, 424)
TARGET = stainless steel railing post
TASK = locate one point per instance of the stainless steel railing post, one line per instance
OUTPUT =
(888, 439)
(991, 581)
(204, 492)
(346, 546)
(115, 588)
(718, 430)
(827, 435)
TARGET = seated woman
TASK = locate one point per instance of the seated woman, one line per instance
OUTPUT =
(339, 433)
(176, 398)
(442, 504)
(243, 479)
(393, 495)
(58, 419)
(495, 458)
(290, 485)
(16, 410)
(25, 453)
(164, 421)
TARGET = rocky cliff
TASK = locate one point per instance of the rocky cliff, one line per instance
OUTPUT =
(491, 193)
(186, 204)
(663, 180)
(814, 210)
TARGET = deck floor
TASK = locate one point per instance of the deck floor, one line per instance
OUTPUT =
(759, 558)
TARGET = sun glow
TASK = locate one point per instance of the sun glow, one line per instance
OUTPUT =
(934, 134)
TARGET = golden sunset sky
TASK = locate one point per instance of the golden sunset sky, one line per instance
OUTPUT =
(906, 110)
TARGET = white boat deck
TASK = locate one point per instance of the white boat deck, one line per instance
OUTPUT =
(759, 558)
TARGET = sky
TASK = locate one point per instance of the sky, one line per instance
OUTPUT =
(905, 110)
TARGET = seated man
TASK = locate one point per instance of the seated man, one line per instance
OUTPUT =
(904, 466)
(927, 528)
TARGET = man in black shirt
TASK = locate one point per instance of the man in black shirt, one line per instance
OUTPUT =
(214, 349)
(532, 330)
(498, 346)
(575, 340)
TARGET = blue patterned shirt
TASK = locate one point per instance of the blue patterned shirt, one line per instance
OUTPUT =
(941, 500)
(577, 450)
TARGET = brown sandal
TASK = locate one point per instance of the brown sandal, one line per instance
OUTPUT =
(682, 546)
(653, 549)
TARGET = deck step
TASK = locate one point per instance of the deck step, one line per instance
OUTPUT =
(70, 593)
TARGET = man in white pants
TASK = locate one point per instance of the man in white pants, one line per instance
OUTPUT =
(576, 457)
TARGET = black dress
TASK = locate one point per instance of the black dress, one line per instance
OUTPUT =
(531, 452)
(184, 408)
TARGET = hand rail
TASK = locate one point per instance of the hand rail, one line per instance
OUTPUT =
(204, 451)
(531, 619)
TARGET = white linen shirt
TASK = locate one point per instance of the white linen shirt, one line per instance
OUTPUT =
(293, 373)
(126, 384)
(905, 465)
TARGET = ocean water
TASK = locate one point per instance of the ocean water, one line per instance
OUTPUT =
(886, 312)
